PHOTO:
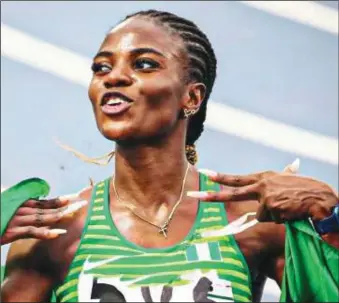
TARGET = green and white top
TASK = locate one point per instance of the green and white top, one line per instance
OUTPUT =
(109, 268)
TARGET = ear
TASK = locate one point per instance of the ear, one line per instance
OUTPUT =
(195, 94)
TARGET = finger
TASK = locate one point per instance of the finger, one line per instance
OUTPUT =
(25, 211)
(263, 214)
(293, 168)
(318, 211)
(270, 214)
(248, 192)
(232, 180)
(38, 219)
(43, 217)
(46, 204)
(56, 202)
(25, 232)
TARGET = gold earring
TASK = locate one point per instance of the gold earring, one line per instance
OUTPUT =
(189, 112)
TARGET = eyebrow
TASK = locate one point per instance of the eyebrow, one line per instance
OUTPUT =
(136, 51)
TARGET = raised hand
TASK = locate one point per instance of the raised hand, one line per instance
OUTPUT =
(281, 196)
(35, 218)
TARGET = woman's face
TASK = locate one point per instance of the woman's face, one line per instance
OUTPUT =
(137, 89)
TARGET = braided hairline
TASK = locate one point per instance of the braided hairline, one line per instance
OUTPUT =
(202, 67)
(201, 60)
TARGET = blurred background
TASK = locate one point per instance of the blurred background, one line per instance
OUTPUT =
(275, 98)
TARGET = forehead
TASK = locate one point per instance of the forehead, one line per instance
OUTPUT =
(139, 32)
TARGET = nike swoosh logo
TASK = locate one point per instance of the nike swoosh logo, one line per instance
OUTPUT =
(90, 265)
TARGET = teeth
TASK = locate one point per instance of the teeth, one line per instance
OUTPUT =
(114, 101)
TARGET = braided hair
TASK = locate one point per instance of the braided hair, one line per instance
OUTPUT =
(201, 65)
(201, 68)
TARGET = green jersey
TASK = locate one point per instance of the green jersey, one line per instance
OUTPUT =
(202, 268)
(109, 268)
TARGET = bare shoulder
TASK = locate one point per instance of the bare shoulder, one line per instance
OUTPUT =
(86, 193)
(262, 244)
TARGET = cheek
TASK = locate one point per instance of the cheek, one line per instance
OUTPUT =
(93, 94)
(163, 102)
(162, 93)
(92, 90)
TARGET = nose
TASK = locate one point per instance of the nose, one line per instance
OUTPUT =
(118, 77)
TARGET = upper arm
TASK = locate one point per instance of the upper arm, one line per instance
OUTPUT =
(30, 276)
(273, 266)
(263, 246)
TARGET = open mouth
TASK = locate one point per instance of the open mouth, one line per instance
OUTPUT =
(115, 103)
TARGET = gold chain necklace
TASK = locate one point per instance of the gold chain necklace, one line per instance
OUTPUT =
(164, 227)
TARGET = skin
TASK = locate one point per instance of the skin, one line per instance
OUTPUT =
(35, 217)
(150, 140)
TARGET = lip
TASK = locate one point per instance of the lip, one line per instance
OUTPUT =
(116, 109)
(110, 95)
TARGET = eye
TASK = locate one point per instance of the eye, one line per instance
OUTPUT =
(100, 68)
(146, 64)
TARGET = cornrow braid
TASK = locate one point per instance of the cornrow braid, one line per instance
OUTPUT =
(201, 68)
(201, 60)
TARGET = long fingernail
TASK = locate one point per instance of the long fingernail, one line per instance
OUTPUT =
(197, 194)
(53, 233)
(295, 165)
(208, 172)
(72, 208)
(91, 182)
(70, 198)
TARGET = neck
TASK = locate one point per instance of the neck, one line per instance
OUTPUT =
(148, 177)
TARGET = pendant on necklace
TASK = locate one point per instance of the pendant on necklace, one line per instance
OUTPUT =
(163, 230)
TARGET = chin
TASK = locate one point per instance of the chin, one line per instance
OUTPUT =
(114, 134)
(133, 131)
(117, 131)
